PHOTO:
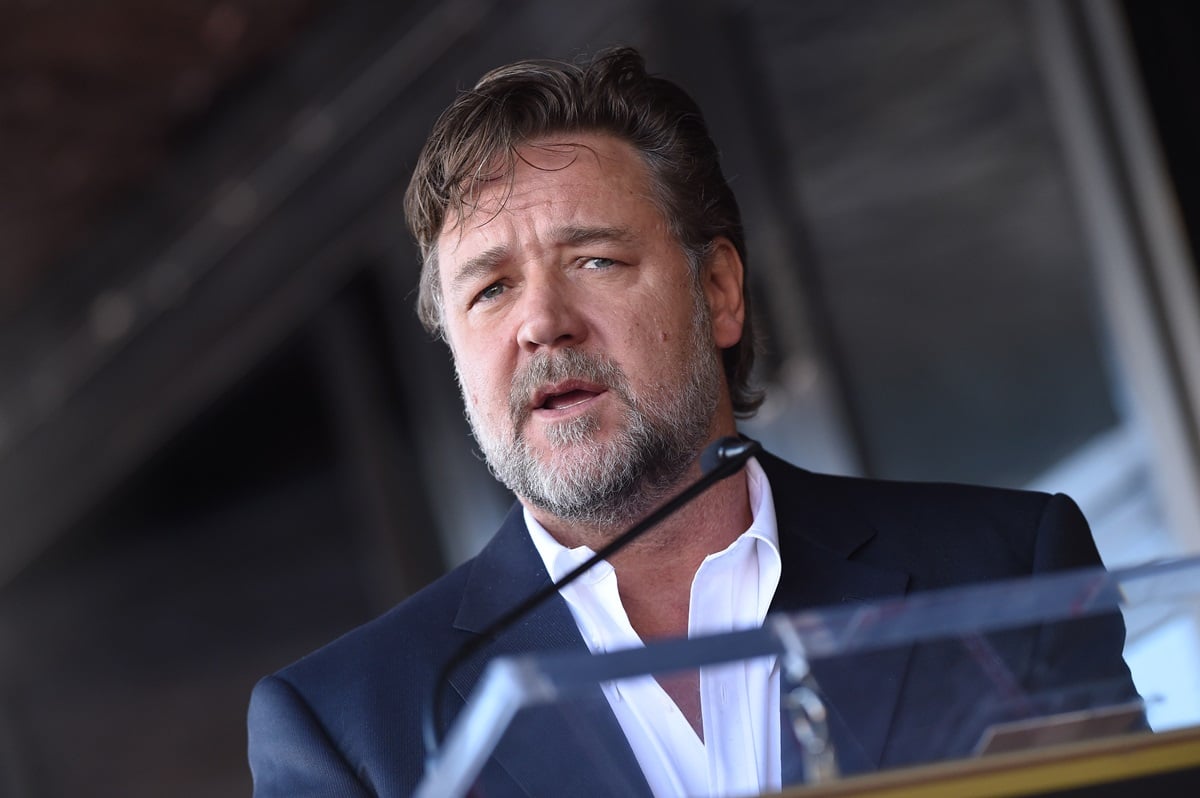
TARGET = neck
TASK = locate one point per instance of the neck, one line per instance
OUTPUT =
(655, 572)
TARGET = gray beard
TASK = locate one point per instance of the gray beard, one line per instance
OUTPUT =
(604, 484)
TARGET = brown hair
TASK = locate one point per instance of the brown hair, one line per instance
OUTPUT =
(612, 94)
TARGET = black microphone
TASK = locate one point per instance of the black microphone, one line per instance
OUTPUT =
(720, 459)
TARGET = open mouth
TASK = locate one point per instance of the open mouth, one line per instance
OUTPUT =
(565, 396)
(561, 401)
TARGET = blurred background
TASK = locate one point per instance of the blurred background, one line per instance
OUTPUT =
(225, 440)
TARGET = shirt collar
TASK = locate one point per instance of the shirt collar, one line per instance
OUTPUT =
(560, 560)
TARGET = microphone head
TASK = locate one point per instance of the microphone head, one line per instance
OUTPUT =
(732, 451)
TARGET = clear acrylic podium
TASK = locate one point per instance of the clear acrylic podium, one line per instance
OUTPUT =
(1015, 680)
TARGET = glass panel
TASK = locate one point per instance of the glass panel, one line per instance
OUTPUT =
(1021, 668)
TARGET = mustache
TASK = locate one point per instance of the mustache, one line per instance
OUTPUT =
(565, 364)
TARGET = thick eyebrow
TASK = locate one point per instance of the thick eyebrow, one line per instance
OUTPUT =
(485, 262)
(581, 236)
(478, 266)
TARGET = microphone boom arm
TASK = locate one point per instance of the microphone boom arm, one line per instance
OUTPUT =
(719, 460)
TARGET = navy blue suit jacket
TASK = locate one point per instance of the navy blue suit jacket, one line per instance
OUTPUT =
(345, 721)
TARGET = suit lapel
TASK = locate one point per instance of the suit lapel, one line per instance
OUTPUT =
(575, 747)
(579, 748)
(822, 542)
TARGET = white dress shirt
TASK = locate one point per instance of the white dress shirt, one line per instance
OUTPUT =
(731, 590)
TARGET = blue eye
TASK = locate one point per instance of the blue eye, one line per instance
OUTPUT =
(598, 263)
(491, 292)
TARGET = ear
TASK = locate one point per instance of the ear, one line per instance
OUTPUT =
(722, 281)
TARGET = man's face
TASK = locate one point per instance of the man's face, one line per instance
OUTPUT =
(581, 339)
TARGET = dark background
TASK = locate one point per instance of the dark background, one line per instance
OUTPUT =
(224, 439)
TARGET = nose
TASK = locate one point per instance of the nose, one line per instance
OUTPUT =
(550, 316)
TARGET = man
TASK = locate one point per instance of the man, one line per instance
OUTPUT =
(584, 261)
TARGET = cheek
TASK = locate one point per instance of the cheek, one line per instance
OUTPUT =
(485, 386)
(475, 389)
(646, 318)
(661, 329)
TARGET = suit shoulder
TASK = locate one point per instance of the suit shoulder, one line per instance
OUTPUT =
(915, 494)
(973, 532)
(963, 532)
